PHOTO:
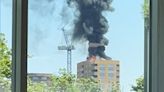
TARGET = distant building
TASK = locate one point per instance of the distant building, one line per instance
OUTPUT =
(105, 72)
(1, 89)
(40, 77)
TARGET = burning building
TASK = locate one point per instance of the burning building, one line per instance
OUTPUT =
(91, 25)
(105, 72)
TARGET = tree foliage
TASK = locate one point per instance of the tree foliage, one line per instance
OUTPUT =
(115, 87)
(146, 9)
(5, 58)
(5, 83)
(36, 87)
(5, 64)
(139, 86)
(67, 82)
(64, 82)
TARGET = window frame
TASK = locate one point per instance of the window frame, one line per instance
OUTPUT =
(154, 50)
(155, 64)
(19, 45)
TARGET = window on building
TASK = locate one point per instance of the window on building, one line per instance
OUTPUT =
(102, 71)
(95, 64)
(35, 78)
(111, 72)
(94, 76)
(102, 67)
(102, 76)
(44, 78)
(95, 70)
(110, 68)
(110, 76)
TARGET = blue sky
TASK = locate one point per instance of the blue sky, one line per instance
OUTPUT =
(126, 37)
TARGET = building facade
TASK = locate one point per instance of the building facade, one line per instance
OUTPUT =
(40, 77)
(105, 72)
(1, 89)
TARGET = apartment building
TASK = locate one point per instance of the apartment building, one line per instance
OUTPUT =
(105, 72)
(40, 77)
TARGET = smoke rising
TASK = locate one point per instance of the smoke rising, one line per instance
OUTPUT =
(91, 25)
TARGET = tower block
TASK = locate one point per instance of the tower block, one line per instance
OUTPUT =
(105, 72)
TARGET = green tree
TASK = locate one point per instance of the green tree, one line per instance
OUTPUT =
(5, 58)
(139, 86)
(36, 86)
(115, 87)
(5, 84)
(146, 8)
(5, 64)
(66, 82)
(88, 85)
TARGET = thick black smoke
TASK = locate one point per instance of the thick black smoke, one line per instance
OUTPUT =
(91, 25)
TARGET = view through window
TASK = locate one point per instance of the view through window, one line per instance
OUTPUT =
(89, 62)
(52, 52)
(5, 45)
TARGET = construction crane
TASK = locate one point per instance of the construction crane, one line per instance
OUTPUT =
(68, 47)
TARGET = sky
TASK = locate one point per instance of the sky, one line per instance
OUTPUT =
(126, 36)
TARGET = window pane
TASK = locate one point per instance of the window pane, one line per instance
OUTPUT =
(71, 37)
(5, 45)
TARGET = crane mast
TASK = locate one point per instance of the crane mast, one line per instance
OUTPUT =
(68, 47)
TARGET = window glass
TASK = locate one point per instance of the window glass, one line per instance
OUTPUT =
(111, 68)
(35, 78)
(110, 76)
(5, 45)
(111, 72)
(66, 36)
(102, 67)
(102, 76)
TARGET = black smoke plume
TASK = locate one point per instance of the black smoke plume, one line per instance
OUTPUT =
(91, 25)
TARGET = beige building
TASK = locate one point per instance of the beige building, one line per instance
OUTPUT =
(106, 72)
